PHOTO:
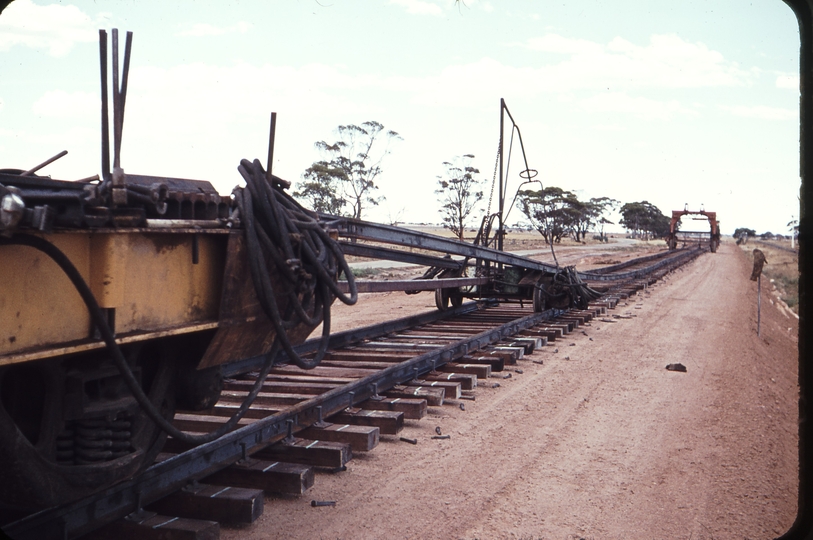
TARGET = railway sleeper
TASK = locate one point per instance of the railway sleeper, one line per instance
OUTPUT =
(317, 453)
(480, 371)
(289, 387)
(516, 352)
(360, 438)
(273, 477)
(465, 381)
(413, 408)
(495, 361)
(451, 388)
(572, 322)
(389, 422)
(433, 396)
(151, 526)
(232, 505)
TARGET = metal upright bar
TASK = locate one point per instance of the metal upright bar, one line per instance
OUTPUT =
(123, 90)
(116, 102)
(271, 137)
(502, 197)
(105, 116)
(759, 306)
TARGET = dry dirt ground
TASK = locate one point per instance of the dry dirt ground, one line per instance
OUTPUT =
(600, 441)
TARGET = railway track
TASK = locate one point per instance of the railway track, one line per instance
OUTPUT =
(370, 381)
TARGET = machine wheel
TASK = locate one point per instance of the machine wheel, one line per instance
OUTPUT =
(539, 299)
(442, 299)
(445, 296)
(48, 457)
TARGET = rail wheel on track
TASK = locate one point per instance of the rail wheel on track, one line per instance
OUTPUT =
(70, 428)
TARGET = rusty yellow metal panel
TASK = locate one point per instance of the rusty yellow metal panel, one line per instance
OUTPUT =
(108, 269)
(148, 278)
(38, 303)
(164, 288)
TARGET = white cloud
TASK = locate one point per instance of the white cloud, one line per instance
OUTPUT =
(666, 61)
(419, 7)
(762, 112)
(647, 109)
(791, 82)
(554, 43)
(205, 29)
(61, 104)
(54, 27)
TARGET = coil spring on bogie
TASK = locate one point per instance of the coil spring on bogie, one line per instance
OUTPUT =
(84, 442)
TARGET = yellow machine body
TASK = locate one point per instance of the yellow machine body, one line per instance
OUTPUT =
(151, 284)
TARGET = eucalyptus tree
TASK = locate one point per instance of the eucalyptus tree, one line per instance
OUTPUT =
(458, 193)
(350, 168)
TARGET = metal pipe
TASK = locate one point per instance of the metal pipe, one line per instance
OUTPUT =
(105, 118)
(271, 136)
(759, 305)
(414, 284)
(502, 197)
(44, 163)
(116, 102)
(128, 44)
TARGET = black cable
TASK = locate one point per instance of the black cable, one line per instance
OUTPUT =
(300, 250)
(99, 319)
(283, 222)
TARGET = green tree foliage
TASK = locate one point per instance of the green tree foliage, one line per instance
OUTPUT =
(349, 169)
(457, 193)
(320, 189)
(742, 231)
(556, 213)
(552, 211)
(644, 219)
(589, 214)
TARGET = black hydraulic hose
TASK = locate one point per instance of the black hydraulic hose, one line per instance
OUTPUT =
(281, 232)
(100, 321)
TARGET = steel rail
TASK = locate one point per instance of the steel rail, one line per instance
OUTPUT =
(80, 517)
(386, 254)
(392, 285)
(632, 262)
(356, 228)
(342, 339)
(679, 257)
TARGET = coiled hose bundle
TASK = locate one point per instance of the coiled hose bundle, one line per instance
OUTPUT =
(304, 256)
(566, 283)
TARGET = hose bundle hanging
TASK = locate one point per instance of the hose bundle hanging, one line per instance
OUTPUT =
(297, 245)
(567, 284)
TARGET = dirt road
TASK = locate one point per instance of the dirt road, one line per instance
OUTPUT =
(601, 441)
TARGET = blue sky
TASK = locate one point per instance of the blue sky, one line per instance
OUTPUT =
(685, 102)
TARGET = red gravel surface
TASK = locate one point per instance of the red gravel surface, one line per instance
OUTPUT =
(598, 442)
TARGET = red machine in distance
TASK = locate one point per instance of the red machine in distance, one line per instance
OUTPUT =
(714, 239)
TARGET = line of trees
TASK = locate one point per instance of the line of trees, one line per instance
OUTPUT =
(345, 181)
(557, 213)
(644, 220)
